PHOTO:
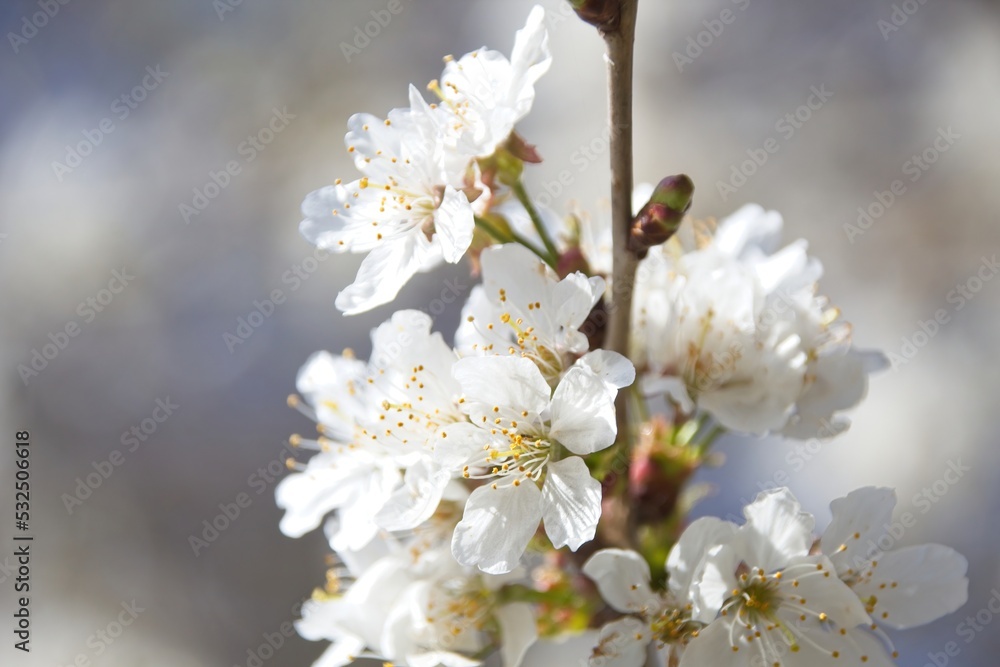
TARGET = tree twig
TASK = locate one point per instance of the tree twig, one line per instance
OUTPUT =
(619, 43)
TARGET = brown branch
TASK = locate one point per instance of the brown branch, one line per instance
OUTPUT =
(619, 42)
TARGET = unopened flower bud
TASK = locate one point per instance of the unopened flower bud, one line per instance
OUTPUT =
(603, 14)
(572, 260)
(660, 217)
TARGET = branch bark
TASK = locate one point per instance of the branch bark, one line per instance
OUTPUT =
(619, 43)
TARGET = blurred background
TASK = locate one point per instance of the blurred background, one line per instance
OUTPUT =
(129, 255)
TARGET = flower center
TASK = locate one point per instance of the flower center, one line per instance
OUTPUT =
(510, 459)
(674, 626)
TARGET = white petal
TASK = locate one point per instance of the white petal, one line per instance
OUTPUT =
(357, 561)
(868, 646)
(622, 577)
(343, 651)
(357, 517)
(519, 220)
(370, 137)
(323, 620)
(776, 530)
(414, 502)
(583, 412)
(321, 227)
(568, 650)
(615, 369)
(571, 503)
(456, 443)
(529, 59)
(826, 594)
(399, 634)
(384, 272)
(497, 526)
(750, 227)
(374, 594)
(440, 659)
(859, 520)
(839, 382)
(688, 554)
(328, 482)
(324, 371)
(469, 338)
(396, 333)
(714, 581)
(711, 648)
(916, 585)
(623, 643)
(454, 224)
(518, 632)
(574, 297)
(511, 383)
(334, 386)
(522, 276)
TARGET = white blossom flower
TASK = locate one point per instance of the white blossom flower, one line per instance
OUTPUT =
(417, 396)
(354, 482)
(569, 649)
(355, 621)
(483, 95)
(776, 603)
(738, 322)
(525, 442)
(404, 212)
(409, 211)
(523, 308)
(336, 388)
(901, 588)
(416, 606)
(444, 617)
(379, 420)
(623, 580)
(341, 476)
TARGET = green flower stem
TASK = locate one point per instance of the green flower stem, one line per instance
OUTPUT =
(536, 220)
(510, 236)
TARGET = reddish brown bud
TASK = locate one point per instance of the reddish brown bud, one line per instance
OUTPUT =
(603, 14)
(660, 217)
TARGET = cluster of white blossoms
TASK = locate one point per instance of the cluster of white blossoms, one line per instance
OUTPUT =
(475, 488)
(421, 185)
(727, 320)
(769, 593)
